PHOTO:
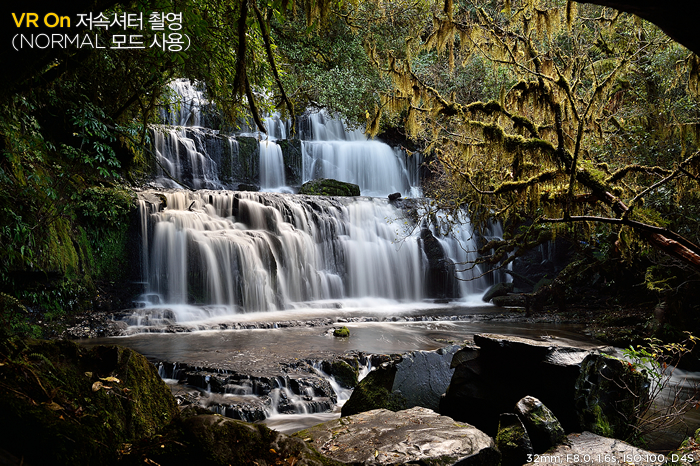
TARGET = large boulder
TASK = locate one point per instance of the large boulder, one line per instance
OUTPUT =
(418, 378)
(413, 436)
(609, 394)
(329, 187)
(64, 404)
(489, 380)
(499, 289)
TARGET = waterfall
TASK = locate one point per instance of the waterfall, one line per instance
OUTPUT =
(189, 152)
(332, 151)
(229, 252)
(216, 252)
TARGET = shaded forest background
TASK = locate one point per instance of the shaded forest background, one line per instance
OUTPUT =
(561, 119)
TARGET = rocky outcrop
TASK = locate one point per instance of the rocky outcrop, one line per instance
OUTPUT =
(489, 380)
(329, 187)
(417, 378)
(609, 393)
(593, 450)
(413, 436)
(292, 157)
(343, 372)
(63, 404)
(287, 388)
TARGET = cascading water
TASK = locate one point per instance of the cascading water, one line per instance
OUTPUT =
(188, 154)
(217, 252)
(332, 151)
(231, 252)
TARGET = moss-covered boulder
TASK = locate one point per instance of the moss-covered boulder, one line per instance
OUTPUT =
(206, 439)
(342, 372)
(375, 392)
(609, 394)
(64, 404)
(329, 187)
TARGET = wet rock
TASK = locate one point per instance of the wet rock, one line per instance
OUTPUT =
(423, 376)
(394, 197)
(329, 187)
(374, 392)
(342, 372)
(543, 427)
(512, 440)
(609, 393)
(499, 289)
(413, 436)
(248, 187)
(418, 378)
(593, 450)
(506, 369)
(292, 157)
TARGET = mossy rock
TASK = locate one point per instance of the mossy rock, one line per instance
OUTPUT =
(375, 392)
(344, 373)
(62, 403)
(329, 187)
(342, 332)
(202, 438)
(543, 427)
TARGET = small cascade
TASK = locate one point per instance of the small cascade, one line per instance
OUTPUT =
(190, 152)
(185, 103)
(271, 166)
(332, 151)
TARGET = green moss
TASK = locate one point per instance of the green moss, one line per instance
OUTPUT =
(344, 373)
(202, 438)
(509, 437)
(342, 332)
(601, 425)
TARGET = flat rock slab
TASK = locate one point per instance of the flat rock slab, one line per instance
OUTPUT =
(589, 449)
(416, 436)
